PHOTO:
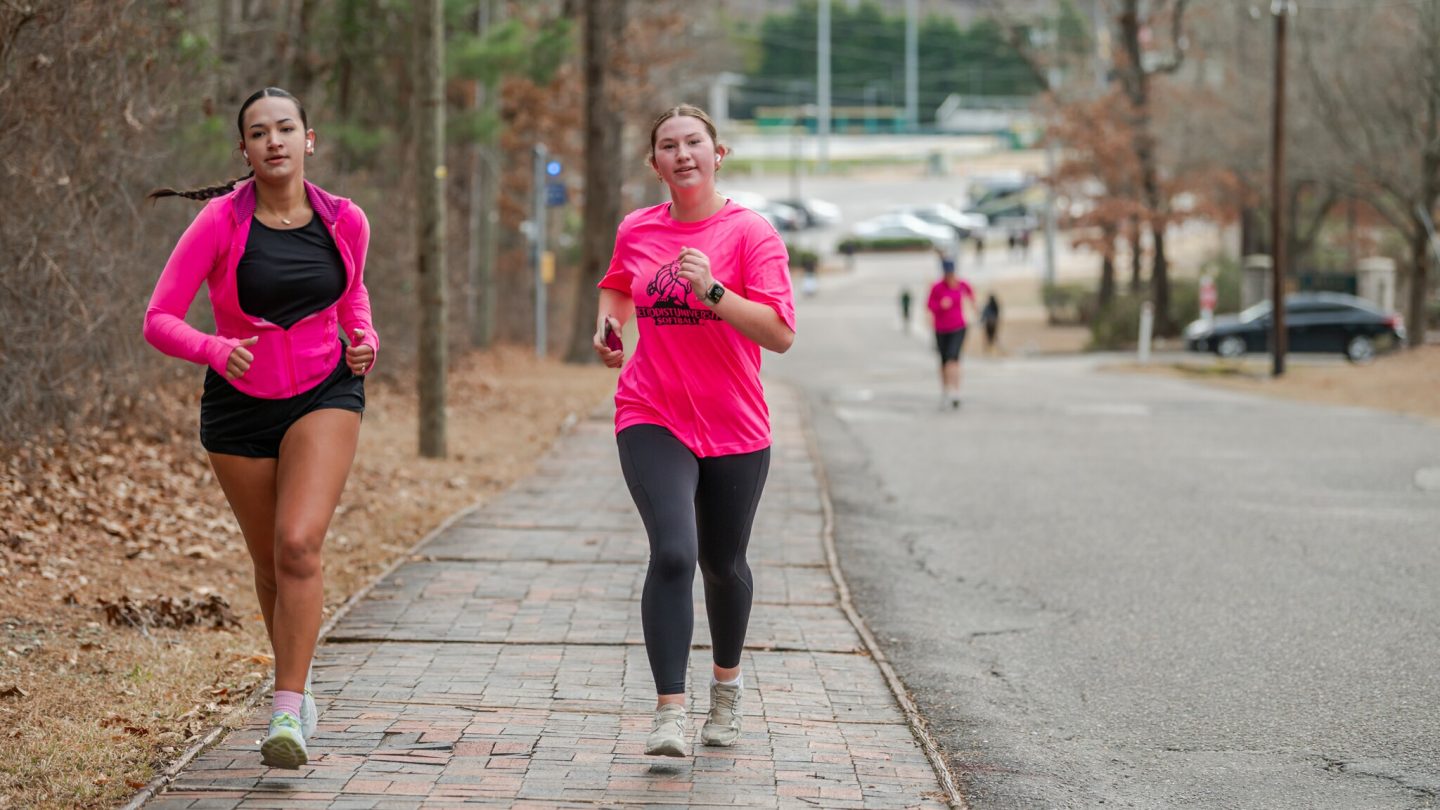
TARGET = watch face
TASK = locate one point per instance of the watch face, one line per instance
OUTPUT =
(714, 293)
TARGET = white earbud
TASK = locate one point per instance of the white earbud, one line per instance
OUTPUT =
(309, 144)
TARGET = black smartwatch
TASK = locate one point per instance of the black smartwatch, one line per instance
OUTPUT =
(714, 294)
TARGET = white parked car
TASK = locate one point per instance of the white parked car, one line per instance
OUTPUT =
(782, 216)
(816, 213)
(948, 216)
(908, 226)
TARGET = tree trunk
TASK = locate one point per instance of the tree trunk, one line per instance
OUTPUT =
(604, 26)
(430, 185)
(1160, 284)
(1136, 80)
(480, 269)
(1107, 270)
(1419, 285)
(1135, 254)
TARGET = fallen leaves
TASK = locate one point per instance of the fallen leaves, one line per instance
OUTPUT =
(167, 611)
(12, 690)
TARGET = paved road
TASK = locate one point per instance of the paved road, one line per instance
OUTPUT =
(1119, 590)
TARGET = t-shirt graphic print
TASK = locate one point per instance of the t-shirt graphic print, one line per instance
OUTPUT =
(670, 293)
(691, 372)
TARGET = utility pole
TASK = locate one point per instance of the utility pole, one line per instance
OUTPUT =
(912, 64)
(430, 103)
(822, 87)
(1282, 9)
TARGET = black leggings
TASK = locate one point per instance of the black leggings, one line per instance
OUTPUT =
(694, 509)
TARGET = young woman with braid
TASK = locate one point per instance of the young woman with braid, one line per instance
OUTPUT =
(709, 284)
(283, 261)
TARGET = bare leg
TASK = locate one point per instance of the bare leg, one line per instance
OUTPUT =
(950, 377)
(249, 486)
(315, 459)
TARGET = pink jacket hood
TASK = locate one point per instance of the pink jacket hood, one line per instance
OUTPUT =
(287, 361)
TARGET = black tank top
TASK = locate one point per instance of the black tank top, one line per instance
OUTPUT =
(285, 275)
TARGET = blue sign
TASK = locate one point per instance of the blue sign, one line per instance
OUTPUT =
(555, 194)
(553, 168)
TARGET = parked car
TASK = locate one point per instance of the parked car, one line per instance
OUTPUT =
(907, 226)
(1314, 322)
(949, 217)
(813, 213)
(782, 216)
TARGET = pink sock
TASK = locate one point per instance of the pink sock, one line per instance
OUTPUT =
(286, 702)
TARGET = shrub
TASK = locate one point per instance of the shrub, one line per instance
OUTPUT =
(1068, 304)
(857, 245)
(1118, 325)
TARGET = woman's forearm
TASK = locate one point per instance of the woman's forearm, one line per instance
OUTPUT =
(756, 321)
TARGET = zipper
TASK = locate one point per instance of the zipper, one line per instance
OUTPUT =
(290, 364)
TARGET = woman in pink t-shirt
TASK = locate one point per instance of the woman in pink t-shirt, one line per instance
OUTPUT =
(947, 306)
(708, 283)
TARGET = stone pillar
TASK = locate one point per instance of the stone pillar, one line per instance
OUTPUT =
(1255, 280)
(1375, 281)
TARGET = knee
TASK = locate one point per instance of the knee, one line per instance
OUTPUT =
(672, 564)
(717, 568)
(297, 553)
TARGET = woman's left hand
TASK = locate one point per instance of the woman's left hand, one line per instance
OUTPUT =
(694, 267)
(359, 358)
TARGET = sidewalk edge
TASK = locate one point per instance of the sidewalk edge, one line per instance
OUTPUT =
(162, 780)
(827, 535)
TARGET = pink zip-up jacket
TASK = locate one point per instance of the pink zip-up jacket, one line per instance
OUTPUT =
(287, 361)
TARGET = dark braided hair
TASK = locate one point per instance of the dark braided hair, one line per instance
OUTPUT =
(228, 186)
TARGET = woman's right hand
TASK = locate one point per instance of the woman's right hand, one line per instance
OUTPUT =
(612, 358)
(240, 359)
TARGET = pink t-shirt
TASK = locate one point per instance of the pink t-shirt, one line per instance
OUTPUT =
(946, 304)
(691, 372)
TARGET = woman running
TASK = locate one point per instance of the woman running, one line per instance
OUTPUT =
(283, 261)
(708, 282)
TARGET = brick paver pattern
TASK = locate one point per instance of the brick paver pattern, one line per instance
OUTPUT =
(504, 665)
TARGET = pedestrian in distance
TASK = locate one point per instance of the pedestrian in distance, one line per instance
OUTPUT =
(810, 281)
(948, 298)
(990, 319)
(280, 413)
(708, 284)
(979, 239)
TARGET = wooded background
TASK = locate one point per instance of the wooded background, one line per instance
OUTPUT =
(1159, 109)
(103, 101)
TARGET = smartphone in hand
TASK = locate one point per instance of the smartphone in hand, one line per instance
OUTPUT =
(612, 339)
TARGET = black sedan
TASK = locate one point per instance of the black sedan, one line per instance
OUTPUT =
(1314, 322)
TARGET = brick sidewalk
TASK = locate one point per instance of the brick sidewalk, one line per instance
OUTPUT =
(503, 664)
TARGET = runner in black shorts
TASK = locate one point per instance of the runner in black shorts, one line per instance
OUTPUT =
(947, 305)
(280, 415)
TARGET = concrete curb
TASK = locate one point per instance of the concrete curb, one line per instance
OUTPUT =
(913, 718)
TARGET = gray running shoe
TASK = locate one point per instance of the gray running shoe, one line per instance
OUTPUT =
(309, 715)
(722, 724)
(667, 738)
(284, 747)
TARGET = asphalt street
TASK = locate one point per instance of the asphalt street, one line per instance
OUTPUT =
(1109, 589)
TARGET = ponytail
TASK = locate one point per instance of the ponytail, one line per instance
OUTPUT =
(206, 193)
